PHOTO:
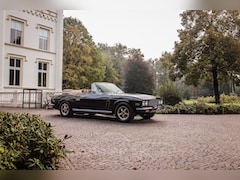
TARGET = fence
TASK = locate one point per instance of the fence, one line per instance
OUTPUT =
(28, 98)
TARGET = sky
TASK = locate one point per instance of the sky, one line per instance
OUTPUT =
(151, 31)
(150, 25)
(120, 4)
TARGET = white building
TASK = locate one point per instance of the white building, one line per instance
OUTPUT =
(31, 46)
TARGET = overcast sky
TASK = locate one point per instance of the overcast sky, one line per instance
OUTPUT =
(152, 31)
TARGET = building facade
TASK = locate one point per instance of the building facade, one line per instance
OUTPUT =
(31, 48)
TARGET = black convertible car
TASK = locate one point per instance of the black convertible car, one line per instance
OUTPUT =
(107, 98)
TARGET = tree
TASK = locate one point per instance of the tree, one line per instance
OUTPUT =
(82, 60)
(138, 77)
(164, 67)
(208, 48)
(110, 73)
(115, 58)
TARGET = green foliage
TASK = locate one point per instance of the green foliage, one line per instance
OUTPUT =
(223, 99)
(138, 77)
(200, 108)
(82, 60)
(170, 94)
(114, 58)
(110, 73)
(208, 48)
(162, 67)
(27, 142)
(209, 99)
(233, 98)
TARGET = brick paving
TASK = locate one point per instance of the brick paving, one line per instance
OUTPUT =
(184, 142)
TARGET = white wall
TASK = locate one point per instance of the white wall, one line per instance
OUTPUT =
(1, 49)
(59, 51)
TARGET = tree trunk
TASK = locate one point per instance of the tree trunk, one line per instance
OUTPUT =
(215, 84)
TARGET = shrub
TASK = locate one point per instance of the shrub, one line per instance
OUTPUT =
(182, 108)
(27, 142)
(229, 98)
(168, 110)
(209, 99)
(229, 109)
(170, 94)
(200, 108)
(233, 98)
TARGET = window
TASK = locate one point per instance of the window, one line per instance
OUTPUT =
(42, 74)
(14, 71)
(16, 32)
(43, 38)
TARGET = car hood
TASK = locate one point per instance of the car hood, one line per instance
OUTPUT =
(137, 96)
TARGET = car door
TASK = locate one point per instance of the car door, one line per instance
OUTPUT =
(92, 101)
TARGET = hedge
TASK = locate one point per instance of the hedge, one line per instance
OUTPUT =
(200, 108)
(27, 142)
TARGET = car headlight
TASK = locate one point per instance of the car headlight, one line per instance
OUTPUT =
(145, 103)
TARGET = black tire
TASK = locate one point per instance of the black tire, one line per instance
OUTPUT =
(124, 112)
(66, 109)
(147, 116)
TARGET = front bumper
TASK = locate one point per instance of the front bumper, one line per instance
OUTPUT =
(146, 110)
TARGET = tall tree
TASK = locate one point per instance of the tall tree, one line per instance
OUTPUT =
(110, 72)
(208, 48)
(164, 68)
(116, 57)
(138, 76)
(82, 60)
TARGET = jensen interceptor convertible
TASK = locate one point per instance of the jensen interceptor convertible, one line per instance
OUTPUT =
(107, 98)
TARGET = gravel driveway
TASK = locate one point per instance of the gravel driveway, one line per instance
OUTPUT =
(164, 142)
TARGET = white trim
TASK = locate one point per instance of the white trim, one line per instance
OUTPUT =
(24, 58)
(44, 60)
(24, 21)
(44, 27)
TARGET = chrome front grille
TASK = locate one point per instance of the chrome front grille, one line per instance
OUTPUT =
(153, 102)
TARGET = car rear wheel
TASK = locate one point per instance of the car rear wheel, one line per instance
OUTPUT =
(65, 109)
(124, 112)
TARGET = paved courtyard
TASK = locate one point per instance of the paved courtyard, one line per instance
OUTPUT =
(169, 142)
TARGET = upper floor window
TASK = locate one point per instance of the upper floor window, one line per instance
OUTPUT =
(43, 38)
(16, 32)
(14, 71)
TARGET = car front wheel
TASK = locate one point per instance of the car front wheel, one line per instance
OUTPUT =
(124, 112)
(65, 109)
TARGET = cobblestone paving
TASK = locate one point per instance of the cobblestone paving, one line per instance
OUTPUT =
(169, 142)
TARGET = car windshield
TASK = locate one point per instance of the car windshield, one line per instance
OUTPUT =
(108, 88)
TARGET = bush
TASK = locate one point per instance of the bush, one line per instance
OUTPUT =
(168, 110)
(27, 142)
(170, 94)
(229, 109)
(233, 98)
(209, 99)
(200, 108)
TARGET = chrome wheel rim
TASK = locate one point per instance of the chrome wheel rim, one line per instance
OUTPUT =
(65, 109)
(123, 113)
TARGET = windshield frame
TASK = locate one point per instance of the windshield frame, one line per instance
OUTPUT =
(105, 87)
